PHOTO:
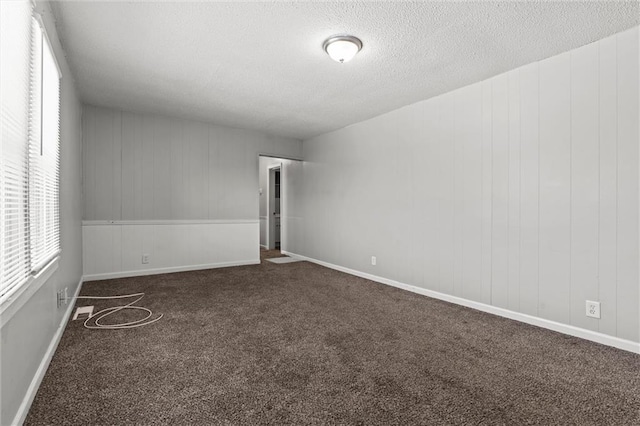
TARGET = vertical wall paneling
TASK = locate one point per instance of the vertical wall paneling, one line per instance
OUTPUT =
(627, 87)
(460, 116)
(513, 219)
(215, 174)
(128, 165)
(529, 189)
(427, 205)
(386, 176)
(500, 191)
(471, 226)
(163, 132)
(584, 183)
(88, 163)
(116, 159)
(445, 195)
(487, 190)
(104, 166)
(195, 170)
(247, 198)
(608, 191)
(555, 188)
(179, 142)
(140, 169)
(147, 166)
(419, 177)
(408, 125)
(527, 198)
(227, 174)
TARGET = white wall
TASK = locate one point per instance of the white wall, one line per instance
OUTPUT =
(292, 178)
(145, 172)
(520, 191)
(26, 338)
(115, 249)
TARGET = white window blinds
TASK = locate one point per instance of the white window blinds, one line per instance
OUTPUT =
(44, 141)
(30, 149)
(15, 51)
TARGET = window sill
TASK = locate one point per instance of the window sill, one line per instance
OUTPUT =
(16, 300)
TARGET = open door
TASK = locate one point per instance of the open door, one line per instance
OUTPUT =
(291, 214)
(274, 206)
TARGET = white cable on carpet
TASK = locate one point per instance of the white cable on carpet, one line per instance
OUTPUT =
(100, 315)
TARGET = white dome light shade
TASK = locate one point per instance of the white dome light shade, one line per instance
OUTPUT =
(342, 48)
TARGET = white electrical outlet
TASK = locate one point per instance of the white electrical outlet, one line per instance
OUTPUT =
(145, 258)
(83, 310)
(593, 309)
(62, 297)
(374, 260)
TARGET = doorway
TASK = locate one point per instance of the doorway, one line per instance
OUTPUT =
(273, 211)
(280, 186)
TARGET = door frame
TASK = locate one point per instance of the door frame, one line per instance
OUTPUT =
(271, 223)
(283, 225)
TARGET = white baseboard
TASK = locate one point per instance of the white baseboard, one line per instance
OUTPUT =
(155, 271)
(264, 246)
(582, 333)
(21, 415)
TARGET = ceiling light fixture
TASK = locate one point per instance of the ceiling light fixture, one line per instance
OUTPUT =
(342, 48)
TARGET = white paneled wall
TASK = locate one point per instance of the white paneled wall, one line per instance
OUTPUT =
(149, 167)
(116, 249)
(520, 191)
(184, 192)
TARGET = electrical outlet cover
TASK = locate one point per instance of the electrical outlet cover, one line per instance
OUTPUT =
(83, 310)
(593, 309)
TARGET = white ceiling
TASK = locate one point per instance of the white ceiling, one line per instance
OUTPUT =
(260, 65)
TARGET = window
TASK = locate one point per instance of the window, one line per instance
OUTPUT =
(30, 149)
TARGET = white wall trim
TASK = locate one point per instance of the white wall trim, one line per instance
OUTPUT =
(582, 333)
(171, 269)
(166, 222)
(264, 246)
(23, 410)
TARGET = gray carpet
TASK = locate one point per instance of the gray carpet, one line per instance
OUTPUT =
(301, 344)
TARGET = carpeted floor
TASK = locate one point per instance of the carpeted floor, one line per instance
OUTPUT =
(301, 344)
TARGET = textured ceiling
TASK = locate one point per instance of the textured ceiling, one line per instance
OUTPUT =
(260, 65)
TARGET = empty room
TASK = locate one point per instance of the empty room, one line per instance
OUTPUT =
(314, 213)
